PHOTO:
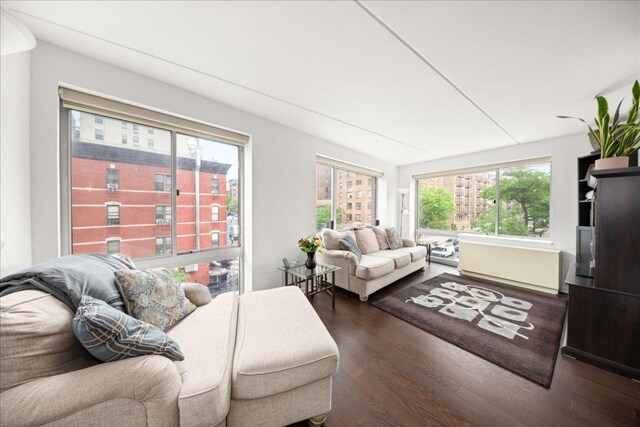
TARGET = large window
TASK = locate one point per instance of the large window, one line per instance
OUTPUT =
(510, 201)
(172, 206)
(334, 184)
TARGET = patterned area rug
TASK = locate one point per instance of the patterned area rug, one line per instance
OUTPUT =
(514, 328)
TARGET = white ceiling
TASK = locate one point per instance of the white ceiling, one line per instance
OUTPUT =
(401, 81)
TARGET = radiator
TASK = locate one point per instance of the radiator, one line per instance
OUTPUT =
(537, 269)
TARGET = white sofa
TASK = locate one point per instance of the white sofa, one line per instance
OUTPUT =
(263, 358)
(378, 267)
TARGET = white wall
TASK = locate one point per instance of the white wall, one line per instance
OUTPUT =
(282, 171)
(564, 185)
(15, 221)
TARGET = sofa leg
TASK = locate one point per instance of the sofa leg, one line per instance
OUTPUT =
(318, 420)
(364, 298)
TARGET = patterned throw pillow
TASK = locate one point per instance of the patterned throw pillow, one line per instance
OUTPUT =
(153, 296)
(109, 334)
(348, 243)
(394, 239)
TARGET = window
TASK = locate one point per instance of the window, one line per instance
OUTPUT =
(98, 120)
(99, 134)
(163, 182)
(215, 213)
(113, 246)
(113, 178)
(329, 205)
(516, 198)
(144, 220)
(215, 185)
(163, 245)
(113, 214)
(163, 214)
(150, 143)
(358, 217)
(217, 276)
(124, 138)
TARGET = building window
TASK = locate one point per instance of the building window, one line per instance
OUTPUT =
(215, 239)
(113, 214)
(349, 217)
(99, 134)
(358, 194)
(113, 178)
(349, 184)
(163, 214)
(150, 130)
(150, 143)
(99, 120)
(370, 206)
(215, 185)
(163, 182)
(113, 246)
(215, 213)
(136, 140)
(358, 217)
(358, 206)
(124, 125)
(369, 217)
(358, 182)
(124, 138)
(136, 128)
(349, 205)
(349, 195)
(163, 245)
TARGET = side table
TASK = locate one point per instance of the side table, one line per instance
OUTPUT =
(314, 281)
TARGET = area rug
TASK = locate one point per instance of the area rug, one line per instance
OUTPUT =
(516, 329)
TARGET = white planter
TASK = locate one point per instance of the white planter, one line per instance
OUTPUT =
(612, 163)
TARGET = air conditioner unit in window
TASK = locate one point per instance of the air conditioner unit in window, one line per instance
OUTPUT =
(162, 221)
(191, 268)
(112, 187)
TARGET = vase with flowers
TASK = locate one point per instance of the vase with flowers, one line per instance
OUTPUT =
(309, 245)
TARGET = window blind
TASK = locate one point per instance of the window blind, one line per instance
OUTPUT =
(89, 103)
(328, 161)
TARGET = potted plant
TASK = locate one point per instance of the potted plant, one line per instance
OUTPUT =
(617, 140)
(309, 245)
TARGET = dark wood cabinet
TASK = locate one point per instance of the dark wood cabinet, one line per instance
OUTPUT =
(604, 312)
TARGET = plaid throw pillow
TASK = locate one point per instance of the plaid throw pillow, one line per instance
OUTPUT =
(348, 243)
(153, 296)
(109, 334)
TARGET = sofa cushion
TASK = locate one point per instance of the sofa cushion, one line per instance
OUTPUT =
(371, 267)
(367, 242)
(416, 252)
(348, 243)
(330, 238)
(281, 344)
(109, 334)
(207, 339)
(400, 258)
(36, 339)
(395, 241)
(381, 236)
(196, 293)
(153, 296)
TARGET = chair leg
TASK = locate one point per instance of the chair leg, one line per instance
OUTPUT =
(318, 420)
(364, 298)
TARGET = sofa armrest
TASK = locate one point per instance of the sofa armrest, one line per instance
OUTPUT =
(153, 381)
(343, 259)
(408, 243)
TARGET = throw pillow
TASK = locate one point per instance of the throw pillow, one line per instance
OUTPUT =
(109, 334)
(381, 236)
(395, 241)
(348, 243)
(153, 296)
(366, 240)
(196, 293)
(330, 239)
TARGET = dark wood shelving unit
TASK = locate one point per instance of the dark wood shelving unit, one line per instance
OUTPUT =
(604, 311)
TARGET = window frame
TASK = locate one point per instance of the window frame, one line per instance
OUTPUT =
(111, 217)
(174, 259)
(111, 241)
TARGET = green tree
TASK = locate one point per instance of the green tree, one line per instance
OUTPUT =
(436, 206)
(323, 216)
(232, 203)
(529, 189)
(510, 222)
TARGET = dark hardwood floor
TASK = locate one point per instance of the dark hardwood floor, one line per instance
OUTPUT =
(393, 373)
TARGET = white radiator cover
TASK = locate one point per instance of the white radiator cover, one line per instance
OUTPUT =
(531, 268)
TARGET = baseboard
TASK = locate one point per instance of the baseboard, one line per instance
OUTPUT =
(600, 362)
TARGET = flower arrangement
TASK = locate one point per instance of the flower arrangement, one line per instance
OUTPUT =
(310, 244)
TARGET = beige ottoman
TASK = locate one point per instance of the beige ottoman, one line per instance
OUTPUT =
(283, 362)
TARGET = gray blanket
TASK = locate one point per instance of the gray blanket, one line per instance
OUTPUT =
(70, 277)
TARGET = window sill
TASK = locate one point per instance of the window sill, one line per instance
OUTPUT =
(518, 241)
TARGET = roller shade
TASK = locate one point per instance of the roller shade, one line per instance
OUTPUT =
(484, 168)
(82, 101)
(335, 163)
